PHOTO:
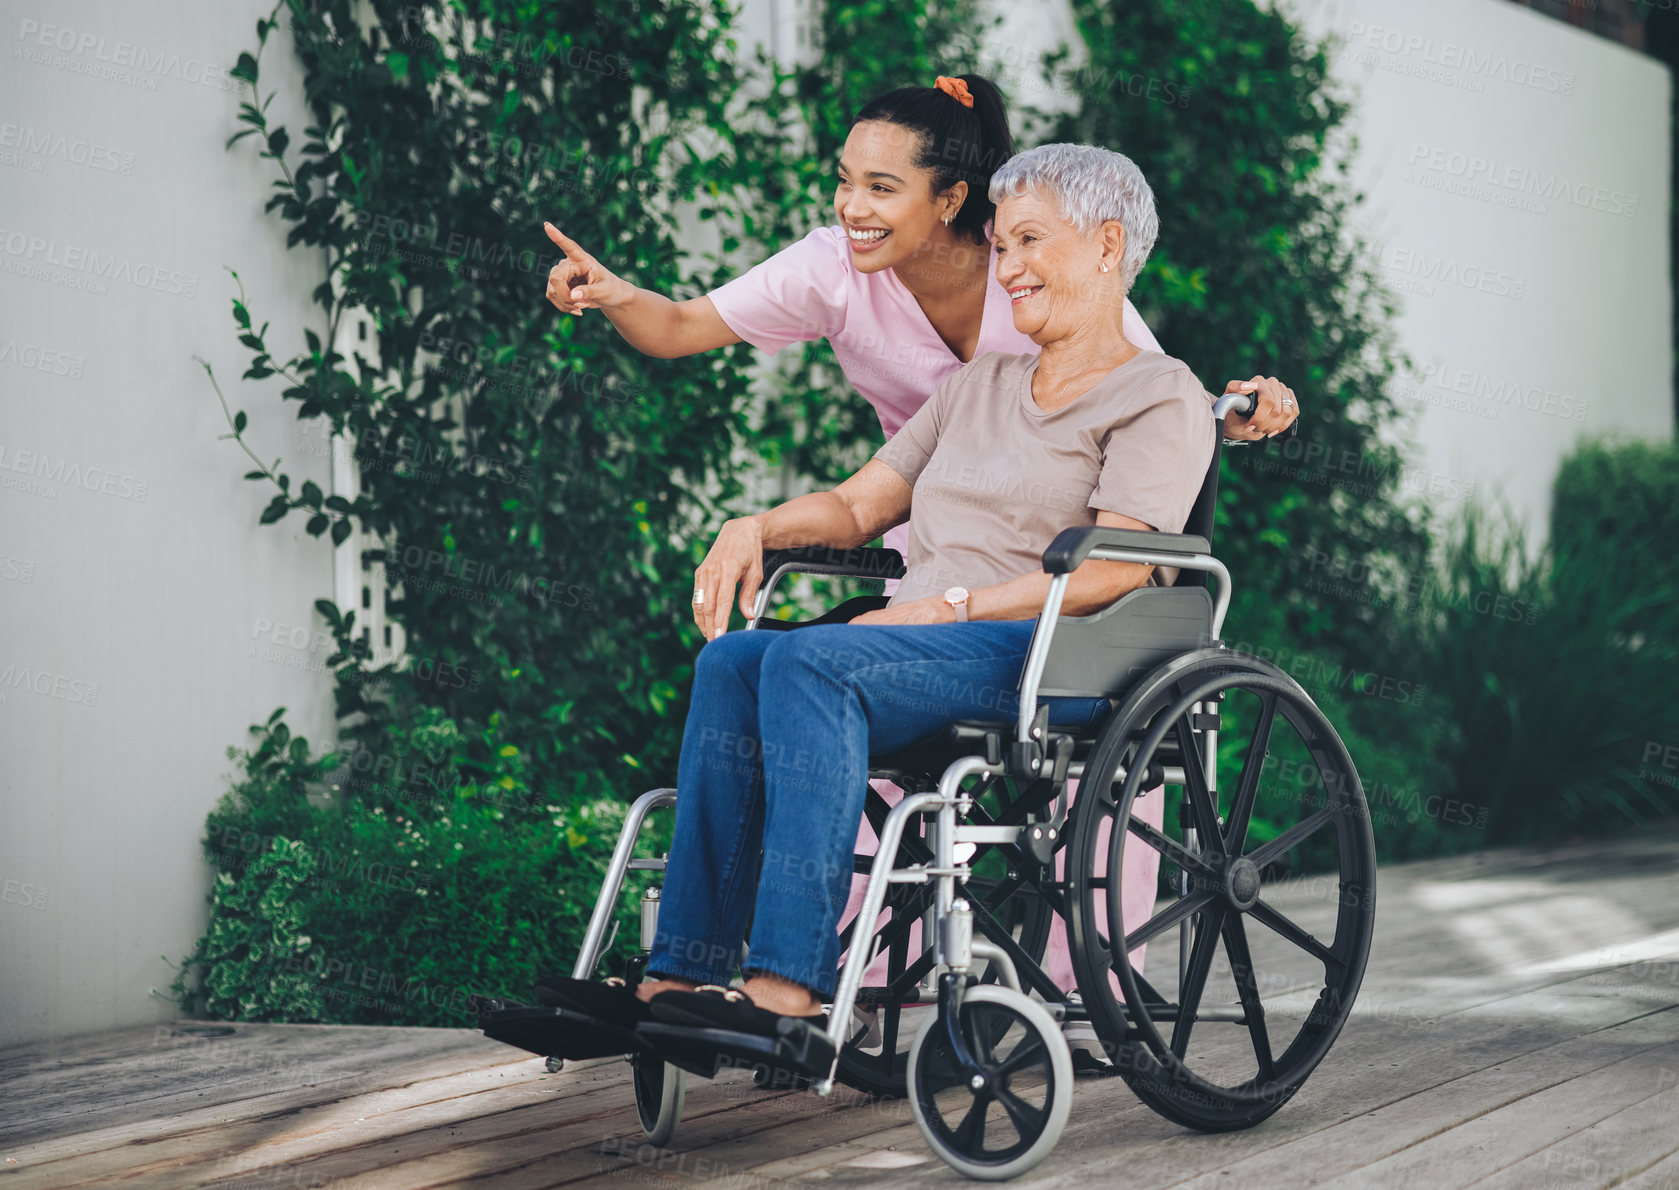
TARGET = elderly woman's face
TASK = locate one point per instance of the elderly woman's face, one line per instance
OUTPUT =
(1052, 273)
(883, 199)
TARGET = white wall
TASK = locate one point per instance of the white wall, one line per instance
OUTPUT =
(1518, 171)
(148, 586)
(1563, 221)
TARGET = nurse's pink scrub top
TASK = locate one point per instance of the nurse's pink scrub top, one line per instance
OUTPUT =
(881, 337)
(892, 356)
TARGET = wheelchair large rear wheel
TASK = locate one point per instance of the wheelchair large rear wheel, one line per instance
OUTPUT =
(1268, 874)
(875, 1058)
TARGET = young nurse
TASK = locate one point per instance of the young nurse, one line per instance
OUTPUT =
(904, 289)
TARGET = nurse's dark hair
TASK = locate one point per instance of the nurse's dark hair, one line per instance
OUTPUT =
(958, 143)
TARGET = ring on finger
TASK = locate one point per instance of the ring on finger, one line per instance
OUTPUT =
(699, 597)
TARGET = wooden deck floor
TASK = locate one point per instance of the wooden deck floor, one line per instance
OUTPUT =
(1518, 1028)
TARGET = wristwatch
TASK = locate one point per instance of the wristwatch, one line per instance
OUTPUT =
(957, 597)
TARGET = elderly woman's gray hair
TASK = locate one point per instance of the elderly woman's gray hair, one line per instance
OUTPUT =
(1090, 185)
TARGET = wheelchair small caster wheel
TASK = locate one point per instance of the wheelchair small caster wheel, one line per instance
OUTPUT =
(1000, 1122)
(660, 1089)
(555, 1065)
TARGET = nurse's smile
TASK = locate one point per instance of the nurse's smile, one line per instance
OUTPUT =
(867, 239)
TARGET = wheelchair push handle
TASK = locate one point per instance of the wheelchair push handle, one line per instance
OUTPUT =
(1244, 404)
(1233, 403)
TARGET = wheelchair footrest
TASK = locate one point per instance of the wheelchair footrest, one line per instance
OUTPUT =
(557, 1033)
(798, 1053)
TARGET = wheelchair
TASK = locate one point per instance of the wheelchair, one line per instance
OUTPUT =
(986, 848)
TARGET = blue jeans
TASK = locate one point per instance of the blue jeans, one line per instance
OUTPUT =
(775, 759)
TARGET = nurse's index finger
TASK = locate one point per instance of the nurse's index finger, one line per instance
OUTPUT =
(567, 245)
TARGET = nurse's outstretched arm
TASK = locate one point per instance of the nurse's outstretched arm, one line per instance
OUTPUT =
(650, 322)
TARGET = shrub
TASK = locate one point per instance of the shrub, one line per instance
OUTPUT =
(1561, 668)
(356, 891)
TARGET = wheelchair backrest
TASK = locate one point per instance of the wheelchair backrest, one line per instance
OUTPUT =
(1200, 521)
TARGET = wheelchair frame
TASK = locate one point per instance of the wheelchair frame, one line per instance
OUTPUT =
(1031, 755)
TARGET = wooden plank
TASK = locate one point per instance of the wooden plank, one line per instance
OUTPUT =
(1381, 1066)
(1486, 1143)
(1663, 1175)
(173, 1074)
(1450, 1028)
(301, 1120)
(554, 1134)
(1613, 1149)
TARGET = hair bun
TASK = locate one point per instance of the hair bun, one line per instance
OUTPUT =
(956, 88)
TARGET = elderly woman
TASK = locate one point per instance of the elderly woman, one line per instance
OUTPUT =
(1008, 451)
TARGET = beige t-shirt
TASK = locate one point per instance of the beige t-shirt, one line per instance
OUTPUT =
(996, 477)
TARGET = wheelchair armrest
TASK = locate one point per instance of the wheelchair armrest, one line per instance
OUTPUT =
(1072, 546)
(859, 562)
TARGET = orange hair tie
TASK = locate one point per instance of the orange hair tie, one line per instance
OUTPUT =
(956, 89)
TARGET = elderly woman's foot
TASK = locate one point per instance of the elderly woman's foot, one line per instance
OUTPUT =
(774, 994)
(648, 988)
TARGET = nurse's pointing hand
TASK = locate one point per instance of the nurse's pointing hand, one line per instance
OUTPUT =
(580, 282)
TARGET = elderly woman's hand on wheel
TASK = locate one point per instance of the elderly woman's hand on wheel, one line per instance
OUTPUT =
(1275, 411)
(736, 557)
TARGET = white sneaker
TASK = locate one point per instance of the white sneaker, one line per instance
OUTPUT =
(1089, 1055)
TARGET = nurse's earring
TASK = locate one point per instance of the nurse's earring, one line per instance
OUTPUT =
(1104, 268)
(947, 220)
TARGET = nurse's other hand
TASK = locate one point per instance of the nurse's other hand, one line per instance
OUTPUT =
(580, 282)
(735, 558)
(1275, 411)
(930, 610)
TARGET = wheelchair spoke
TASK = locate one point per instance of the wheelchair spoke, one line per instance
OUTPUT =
(1171, 849)
(1241, 807)
(1026, 1053)
(1195, 979)
(1021, 1115)
(1292, 838)
(1247, 990)
(971, 1131)
(1268, 915)
(1195, 790)
(1165, 920)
